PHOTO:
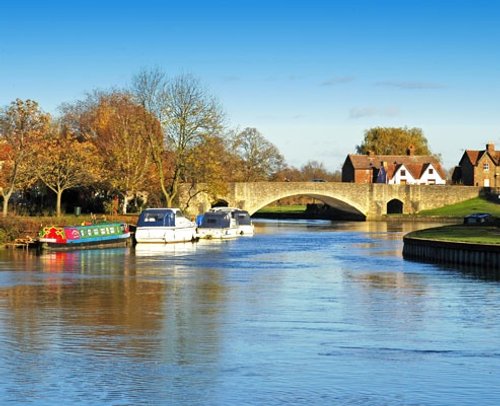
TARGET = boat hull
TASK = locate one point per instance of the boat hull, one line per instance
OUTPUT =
(51, 246)
(217, 233)
(164, 235)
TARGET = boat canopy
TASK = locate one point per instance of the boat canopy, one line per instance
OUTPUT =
(242, 217)
(157, 218)
(216, 219)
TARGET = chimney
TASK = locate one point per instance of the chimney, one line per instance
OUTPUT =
(411, 150)
(371, 153)
(490, 147)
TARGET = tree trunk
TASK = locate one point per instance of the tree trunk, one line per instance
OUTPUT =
(126, 199)
(58, 203)
(5, 205)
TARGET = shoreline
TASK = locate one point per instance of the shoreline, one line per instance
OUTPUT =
(459, 249)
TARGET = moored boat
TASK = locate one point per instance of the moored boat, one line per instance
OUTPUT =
(99, 235)
(242, 218)
(164, 225)
(217, 225)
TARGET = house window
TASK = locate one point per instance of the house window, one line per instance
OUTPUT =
(431, 171)
(486, 167)
(403, 172)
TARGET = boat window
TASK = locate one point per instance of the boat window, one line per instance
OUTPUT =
(244, 219)
(156, 219)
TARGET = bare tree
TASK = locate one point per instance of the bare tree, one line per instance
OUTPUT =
(187, 113)
(260, 159)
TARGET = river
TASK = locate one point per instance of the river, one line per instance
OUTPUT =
(302, 313)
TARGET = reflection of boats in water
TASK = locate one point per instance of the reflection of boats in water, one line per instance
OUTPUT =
(83, 261)
(95, 235)
(225, 222)
(164, 225)
(152, 249)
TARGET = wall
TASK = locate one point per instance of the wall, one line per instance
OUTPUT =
(486, 256)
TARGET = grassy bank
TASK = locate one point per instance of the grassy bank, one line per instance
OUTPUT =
(15, 227)
(476, 205)
(291, 209)
(460, 233)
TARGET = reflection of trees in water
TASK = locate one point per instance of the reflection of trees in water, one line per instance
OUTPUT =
(99, 301)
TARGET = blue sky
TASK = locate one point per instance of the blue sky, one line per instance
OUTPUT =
(310, 75)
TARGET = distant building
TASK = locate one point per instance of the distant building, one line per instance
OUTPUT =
(479, 168)
(393, 169)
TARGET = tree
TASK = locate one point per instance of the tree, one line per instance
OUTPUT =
(393, 141)
(62, 162)
(260, 159)
(122, 132)
(22, 123)
(187, 114)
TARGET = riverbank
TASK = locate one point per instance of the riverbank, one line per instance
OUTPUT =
(455, 245)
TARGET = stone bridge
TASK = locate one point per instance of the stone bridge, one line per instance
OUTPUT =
(370, 201)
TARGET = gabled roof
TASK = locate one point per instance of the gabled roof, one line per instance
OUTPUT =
(475, 156)
(415, 164)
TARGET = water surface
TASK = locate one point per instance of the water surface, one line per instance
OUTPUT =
(301, 313)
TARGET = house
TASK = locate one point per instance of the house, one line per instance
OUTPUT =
(479, 168)
(393, 169)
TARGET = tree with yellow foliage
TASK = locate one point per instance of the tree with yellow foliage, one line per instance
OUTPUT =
(22, 124)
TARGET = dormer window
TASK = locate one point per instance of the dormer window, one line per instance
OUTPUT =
(486, 167)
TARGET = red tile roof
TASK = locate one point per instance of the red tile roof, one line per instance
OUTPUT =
(415, 164)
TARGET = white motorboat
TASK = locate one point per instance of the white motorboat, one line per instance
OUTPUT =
(217, 225)
(242, 218)
(164, 225)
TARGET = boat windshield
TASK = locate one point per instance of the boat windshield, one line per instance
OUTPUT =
(156, 219)
(243, 219)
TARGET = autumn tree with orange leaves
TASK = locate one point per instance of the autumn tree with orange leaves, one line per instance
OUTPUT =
(121, 130)
(63, 162)
(22, 124)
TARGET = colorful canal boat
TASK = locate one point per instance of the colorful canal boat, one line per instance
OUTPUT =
(100, 235)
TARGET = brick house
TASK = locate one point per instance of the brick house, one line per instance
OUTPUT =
(479, 168)
(393, 169)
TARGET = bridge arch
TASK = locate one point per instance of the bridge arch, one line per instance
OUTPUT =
(341, 204)
(395, 206)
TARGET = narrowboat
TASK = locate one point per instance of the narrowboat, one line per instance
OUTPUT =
(98, 235)
(164, 225)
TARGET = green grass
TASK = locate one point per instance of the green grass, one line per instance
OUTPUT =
(294, 208)
(461, 233)
(476, 205)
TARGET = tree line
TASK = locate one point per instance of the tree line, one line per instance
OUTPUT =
(142, 142)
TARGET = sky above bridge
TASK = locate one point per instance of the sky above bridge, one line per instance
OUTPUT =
(310, 75)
